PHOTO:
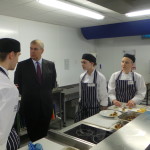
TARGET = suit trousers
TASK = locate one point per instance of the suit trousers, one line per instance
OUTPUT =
(38, 128)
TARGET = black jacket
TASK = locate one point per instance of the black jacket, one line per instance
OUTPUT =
(36, 99)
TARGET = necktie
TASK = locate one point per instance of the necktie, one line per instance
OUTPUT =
(38, 72)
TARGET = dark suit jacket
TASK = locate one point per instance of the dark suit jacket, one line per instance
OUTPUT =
(36, 99)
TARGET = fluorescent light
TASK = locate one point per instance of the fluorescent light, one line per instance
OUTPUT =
(138, 13)
(5, 31)
(72, 8)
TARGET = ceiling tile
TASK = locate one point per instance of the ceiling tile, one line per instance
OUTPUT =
(32, 10)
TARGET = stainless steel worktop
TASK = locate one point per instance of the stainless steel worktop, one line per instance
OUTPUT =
(133, 136)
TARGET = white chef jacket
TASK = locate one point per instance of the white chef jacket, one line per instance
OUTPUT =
(9, 97)
(140, 85)
(102, 95)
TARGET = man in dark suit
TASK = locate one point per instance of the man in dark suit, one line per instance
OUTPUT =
(35, 78)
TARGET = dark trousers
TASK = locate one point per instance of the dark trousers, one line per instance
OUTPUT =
(37, 129)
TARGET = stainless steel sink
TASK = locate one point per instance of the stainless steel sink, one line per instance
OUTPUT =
(65, 139)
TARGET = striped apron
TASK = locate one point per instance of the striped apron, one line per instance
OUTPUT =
(89, 104)
(125, 89)
(13, 142)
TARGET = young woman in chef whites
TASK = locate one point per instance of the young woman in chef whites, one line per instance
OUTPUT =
(93, 95)
(125, 85)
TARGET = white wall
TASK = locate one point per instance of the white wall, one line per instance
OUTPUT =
(60, 43)
(67, 43)
(110, 52)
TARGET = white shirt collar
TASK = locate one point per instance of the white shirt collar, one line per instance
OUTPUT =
(130, 73)
(40, 61)
(92, 74)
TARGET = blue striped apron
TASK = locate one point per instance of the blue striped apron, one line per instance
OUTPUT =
(89, 104)
(125, 89)
(13, 141)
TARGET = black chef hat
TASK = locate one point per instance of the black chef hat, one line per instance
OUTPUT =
(8, 45)
(132, 57)
(89, 57)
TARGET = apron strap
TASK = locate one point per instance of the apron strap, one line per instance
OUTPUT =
(83, 78)
(95, 77)
(119, 75)
(2, 70)
(133, 76)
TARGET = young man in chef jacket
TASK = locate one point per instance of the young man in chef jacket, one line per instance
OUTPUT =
(93, 95)
(126, 86)
(9, 95)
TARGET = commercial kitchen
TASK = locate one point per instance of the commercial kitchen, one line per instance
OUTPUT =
(67, 36)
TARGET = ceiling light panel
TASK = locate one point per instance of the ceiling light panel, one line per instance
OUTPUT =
(138, 13)
(72, 8)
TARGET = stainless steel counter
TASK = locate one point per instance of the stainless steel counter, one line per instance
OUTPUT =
(133, 136)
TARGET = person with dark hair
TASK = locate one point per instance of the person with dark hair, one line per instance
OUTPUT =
(126, 86)
(35, 78)
(92, 89)
(9, 95)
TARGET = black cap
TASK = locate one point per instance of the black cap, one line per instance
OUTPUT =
(89, 57)
(8, 45)
(132, 57)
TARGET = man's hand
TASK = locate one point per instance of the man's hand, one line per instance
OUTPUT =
(116, 103)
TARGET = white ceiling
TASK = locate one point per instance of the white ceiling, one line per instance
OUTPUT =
(32, 10)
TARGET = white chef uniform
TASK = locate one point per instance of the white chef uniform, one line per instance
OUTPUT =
(140, 85)
(9, 97)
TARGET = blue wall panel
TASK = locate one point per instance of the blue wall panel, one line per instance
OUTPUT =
(133, 28)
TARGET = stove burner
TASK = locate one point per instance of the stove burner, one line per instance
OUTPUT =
(88, 133)
(84, 132)
(98, 137)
